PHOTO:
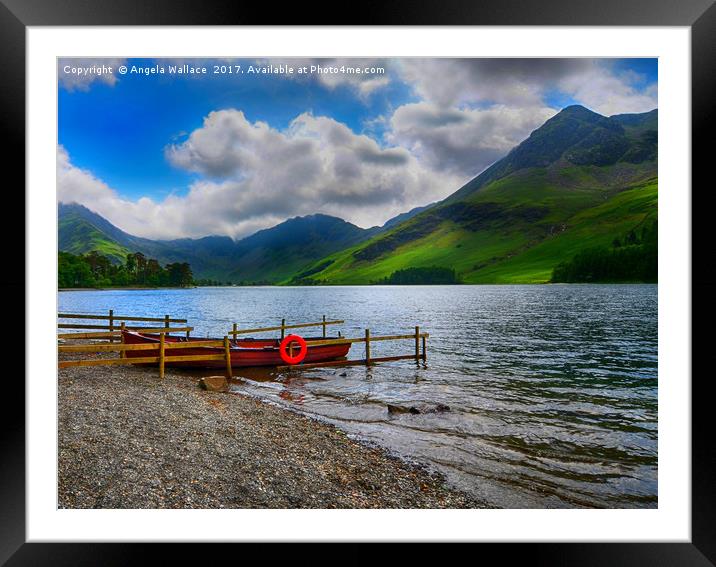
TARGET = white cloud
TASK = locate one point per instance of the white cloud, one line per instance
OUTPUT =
(452, 82)
(257, 176)
(79, 74)
(463, 141)
(526, 82)
(608, 93)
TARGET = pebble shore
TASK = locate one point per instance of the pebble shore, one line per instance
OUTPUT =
(129, 440)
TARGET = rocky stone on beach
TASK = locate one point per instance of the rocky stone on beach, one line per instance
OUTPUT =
(214, 383)
(401, 409)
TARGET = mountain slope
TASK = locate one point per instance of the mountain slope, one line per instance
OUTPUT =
(269, 255)
(78, 234)
(523, 214)
(276, 253)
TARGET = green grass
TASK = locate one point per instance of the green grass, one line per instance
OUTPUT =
(81, 237)
(596, 226)
(579, 216)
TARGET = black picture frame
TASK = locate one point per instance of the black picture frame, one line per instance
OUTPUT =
(699, 15)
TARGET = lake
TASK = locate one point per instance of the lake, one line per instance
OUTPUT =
(552, 388)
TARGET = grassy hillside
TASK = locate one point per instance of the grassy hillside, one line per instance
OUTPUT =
(521, 242)
(77, 236)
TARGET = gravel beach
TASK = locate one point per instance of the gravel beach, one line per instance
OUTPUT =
(129, 440)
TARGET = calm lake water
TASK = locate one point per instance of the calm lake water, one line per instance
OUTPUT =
(552, 389)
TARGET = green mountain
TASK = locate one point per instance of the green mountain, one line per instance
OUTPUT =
(578, 181)
(270, 255)
(79, 235)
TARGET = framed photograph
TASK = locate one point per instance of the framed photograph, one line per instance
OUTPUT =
(428, 277)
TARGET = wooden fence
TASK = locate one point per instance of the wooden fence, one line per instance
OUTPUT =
(283, 326)
(114, 322)
(419, 338)
(160, 357)
(111, 332)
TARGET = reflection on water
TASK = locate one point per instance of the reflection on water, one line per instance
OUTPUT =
(552, 389)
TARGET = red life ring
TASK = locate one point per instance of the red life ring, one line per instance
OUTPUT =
(284, 345)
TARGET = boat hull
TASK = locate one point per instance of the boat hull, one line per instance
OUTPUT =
(244, 352)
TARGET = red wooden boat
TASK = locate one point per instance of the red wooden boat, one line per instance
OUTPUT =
(244, 352)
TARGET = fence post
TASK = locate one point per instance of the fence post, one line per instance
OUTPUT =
(166, 321)
(161, 355)
(283, 328)
(111, 324)
(417, 343)
(324, 326)
(367, 347)
(227, 354)
(122, 353)
(425, 349)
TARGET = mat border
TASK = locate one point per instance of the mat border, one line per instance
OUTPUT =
(699, 15)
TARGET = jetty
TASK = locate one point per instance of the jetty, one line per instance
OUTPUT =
(138, 343)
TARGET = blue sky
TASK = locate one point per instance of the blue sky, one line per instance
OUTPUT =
(131, 145)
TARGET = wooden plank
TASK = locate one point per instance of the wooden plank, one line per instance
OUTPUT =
(417, 342)
(346, 362)
(150, 330)
(295, 326)
(139, 360)
(108, 361)
(107, 327)
(346, 340)
(227, 356)
(85, 335)
(78, 326)
(367, 346)
(117, 318)
(195, 357)
(126, 347)
(105, 348)
(161, 356)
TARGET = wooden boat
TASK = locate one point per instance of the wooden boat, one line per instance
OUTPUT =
(244, 352)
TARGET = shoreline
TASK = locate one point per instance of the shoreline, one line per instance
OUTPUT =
(128, 440)
(353, 285)
(117, 288)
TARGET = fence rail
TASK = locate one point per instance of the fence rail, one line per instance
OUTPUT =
(112, 334)
(118, 317)
(161, 357)
(418, 337)
(112, 320)
(283, 326)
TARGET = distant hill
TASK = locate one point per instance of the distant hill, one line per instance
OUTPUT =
(269, 255)
(578, 180)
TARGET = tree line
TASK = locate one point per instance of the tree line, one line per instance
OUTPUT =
(432, 275)
(631, 258)
(96, 270)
